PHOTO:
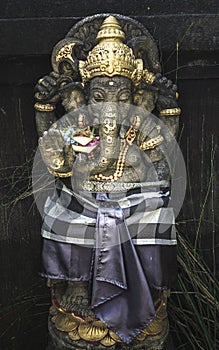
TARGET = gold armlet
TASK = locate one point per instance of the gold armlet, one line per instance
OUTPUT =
(170, 111)
(152, 143)
(148, 77)
(44, 107)
(62, 175)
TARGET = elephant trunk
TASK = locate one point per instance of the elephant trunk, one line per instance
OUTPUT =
(109, 136)
(109, 146)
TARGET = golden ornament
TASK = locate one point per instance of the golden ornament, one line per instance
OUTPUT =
(115, 337)
(65, 322)
(112, 57)
(74, 335)
(107, 341)
(141, 336)
(92, 331)
(154, 328)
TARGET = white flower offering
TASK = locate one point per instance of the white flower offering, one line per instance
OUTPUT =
(82, 140)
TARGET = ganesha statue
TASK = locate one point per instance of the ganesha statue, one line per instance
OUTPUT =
(106, 117)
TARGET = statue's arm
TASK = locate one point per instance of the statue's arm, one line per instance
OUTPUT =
(167, 105)
(46, 98)
(153, 135)
(56, 153)
(44, 121)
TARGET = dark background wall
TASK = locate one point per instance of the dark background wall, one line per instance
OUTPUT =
(28, 31)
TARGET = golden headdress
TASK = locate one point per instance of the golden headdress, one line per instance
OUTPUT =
(112, 57)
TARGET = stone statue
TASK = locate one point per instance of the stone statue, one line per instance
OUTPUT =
(109, 267)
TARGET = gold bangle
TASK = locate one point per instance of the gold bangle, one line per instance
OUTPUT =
(170, 111)
(44, 107)
(148, 76)
(62, 175)
(152, 143)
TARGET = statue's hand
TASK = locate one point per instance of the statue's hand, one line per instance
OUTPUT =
(46, 90)
(166, 92)
(56, 154)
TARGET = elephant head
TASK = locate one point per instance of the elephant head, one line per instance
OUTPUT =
(111, 112)
(109, 101)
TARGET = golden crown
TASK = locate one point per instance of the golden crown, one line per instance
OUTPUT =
(112, 57)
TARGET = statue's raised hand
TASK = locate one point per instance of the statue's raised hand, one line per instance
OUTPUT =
(166, 92)
(56, 154)
(46, 90)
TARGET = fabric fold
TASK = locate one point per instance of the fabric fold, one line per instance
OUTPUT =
(121, 297)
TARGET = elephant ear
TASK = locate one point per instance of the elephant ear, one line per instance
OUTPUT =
(144, 47)
(64, 57)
